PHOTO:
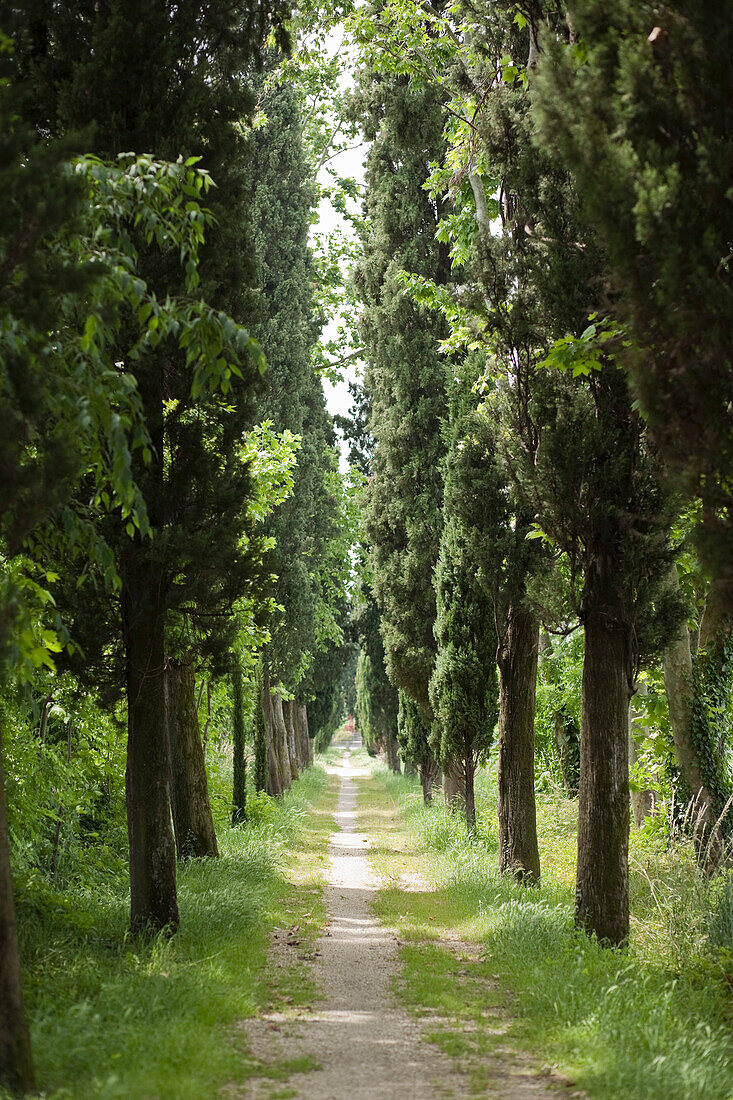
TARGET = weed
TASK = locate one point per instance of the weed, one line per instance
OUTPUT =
(644, 1024)
(116, 1017)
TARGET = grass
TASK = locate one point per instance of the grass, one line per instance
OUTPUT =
(115, 1017)
(649, 1023)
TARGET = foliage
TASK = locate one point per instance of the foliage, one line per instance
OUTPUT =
(642, 1025)
(413, 732)
(307, 552)
(711, 721)
(464, 684)
(70, 411)
(108, 1013)
(316, 71)
(634, 104)
(404, 378)
(559, 680)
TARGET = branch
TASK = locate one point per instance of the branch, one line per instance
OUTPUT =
(483, 221)
(347, 359)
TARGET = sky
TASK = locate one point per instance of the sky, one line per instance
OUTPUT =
(349, 163)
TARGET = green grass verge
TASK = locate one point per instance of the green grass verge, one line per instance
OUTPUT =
(114, 1017)
(649, 1023)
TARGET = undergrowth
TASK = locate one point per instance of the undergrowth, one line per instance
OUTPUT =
(113, 1016)
(647, 1023)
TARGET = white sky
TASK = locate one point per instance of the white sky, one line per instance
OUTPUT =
(349, 163)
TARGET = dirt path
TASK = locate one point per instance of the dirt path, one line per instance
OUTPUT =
(365, 1044)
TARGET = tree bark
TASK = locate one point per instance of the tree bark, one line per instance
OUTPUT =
(45, 711)
(568, 751)
(280, 739)
(602, 888)
(454, 784)
(239, 779)
(301, 731)
(469, 777)
(153, 898)
(16, 1063)
(207, 724)
(679, 686)
(193, 822)
(289, 718)
(261, 750)
(60, 810)
(274, 780)
(517, 658)
(642, 802)
(430, 777)
(393, 752)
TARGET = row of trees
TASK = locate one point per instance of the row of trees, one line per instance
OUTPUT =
(546, 319)
(174, 526)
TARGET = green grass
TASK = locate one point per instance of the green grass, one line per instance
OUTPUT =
(649, 1023)
(115, 1017)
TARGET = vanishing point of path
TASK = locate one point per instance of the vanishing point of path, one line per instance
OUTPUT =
(366, 1045)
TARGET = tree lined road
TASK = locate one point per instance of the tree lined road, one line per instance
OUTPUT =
(366, 1044)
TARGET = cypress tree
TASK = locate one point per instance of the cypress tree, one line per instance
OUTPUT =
(239, 786)
(413, 736)
(404, 380)
(463, 686)
(637, 104)
(305, 527)
(377, 702)
(171, 81)
(575, 450)
(655, 186)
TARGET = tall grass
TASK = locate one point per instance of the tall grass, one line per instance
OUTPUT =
(651, 1022)
(112, 1016)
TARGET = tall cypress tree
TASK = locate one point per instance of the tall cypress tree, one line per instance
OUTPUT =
(654, 90)
(404, 380)
(463, 686)
(637, 104)
(168, 80)
(305, 528)
(579, 457)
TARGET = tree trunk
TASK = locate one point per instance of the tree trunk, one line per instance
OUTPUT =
(274, 779)
(239, 781)
(642, 802)
(430, 777)
(207, 724)
(192, 819)
(45, 711)
(301, 731)
(281, 741)
(60, 810)
(16, 1063)
(152, 848)
(261, 749)
(393, 751)
(517, 658)
(567, 743)
(469, 774)
(454, 784)
(289, 718)
(602, 889)
(679, 686)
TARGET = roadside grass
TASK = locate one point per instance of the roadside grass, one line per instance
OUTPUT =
(647, 1023)
(113, 1016)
